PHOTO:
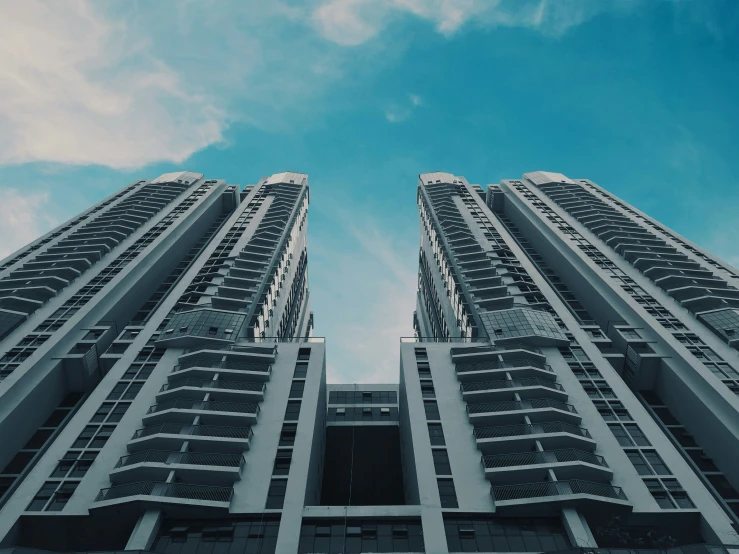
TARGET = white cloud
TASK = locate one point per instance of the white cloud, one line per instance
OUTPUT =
(353, 22)
(23, 217)
(77, 87)
(395, 113)
(370, 279)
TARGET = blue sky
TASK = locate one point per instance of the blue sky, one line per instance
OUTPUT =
(638, 95)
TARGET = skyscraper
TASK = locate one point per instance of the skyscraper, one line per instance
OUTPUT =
(593, 349)
(570, 383)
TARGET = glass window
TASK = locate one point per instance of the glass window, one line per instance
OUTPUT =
(436, 434)
(441, 462)
(276, 493)
(641, 466)
(447, 493)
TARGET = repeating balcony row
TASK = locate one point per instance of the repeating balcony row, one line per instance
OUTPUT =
(488, 348)
(182, 458)
(523, 467)
(208, 362)
(552, 495)
(184, 492)
(246, 386)
(517, 368)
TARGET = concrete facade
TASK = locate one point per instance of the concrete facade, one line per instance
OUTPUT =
(570, 385)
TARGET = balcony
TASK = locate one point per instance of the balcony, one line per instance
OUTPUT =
(551, 435)
(171, 436)
(195, 467)
(537, 409)
(183, 410)
(524, 467)
(481, 353)
(159, 492)
(518, 368)
(547, 498)
(205, 366)
(220, 390)
(490, 391)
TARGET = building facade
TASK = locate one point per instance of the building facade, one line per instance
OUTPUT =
(571, 384)
(594, 354)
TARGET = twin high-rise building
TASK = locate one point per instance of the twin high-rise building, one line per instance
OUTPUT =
(572, 383)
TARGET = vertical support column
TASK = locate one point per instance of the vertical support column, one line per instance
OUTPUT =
(578, 530)
(145, 532)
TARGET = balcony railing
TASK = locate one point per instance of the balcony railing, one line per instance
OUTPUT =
(559, 488)
(509, 384)
(221, 364)
(171, 490)
(513, 405)
(494, 348)
(188, 458)
(216, 431)
(502, 364)
(546, 457)
(214, 384)
(208, 405)
(535, 429)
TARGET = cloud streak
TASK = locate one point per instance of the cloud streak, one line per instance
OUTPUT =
(23, 217)
(79, 88)
(354, 22)
(372, 282)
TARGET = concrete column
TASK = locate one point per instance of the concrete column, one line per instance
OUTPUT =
(145, 532)
(578, 530)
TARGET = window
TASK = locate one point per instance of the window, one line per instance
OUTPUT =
(276, 493)
(432, 409)
(53, 496)
(297, 388)
(301, 370)
(282, 462)
(447, 494)
(427, 390)
(287, 435)
(669, 494)
(304, 354)
(647, 462)
(441, 462)
(629, 434)
(436, 434)
(629, 334)
(292, 412)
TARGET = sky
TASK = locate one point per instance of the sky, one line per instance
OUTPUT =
(641, 96)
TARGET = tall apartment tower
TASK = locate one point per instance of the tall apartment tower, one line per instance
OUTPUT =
(141, 343)
(574, 370)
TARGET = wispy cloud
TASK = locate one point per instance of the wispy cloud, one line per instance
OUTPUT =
(397, 112)
(373, 283)
(109, 84)
(353, 22)
(77, 87)
(23, 217)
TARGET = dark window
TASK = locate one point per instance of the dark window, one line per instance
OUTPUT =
(296, 389)
(276, 493)
(427, 390)
(287, 436)
(304, 354)
(301, 370)
(436, 434)
(282, 462)
(447, 494)
(441, 462)
(292, 412)
(42, 497)
(432, 409)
